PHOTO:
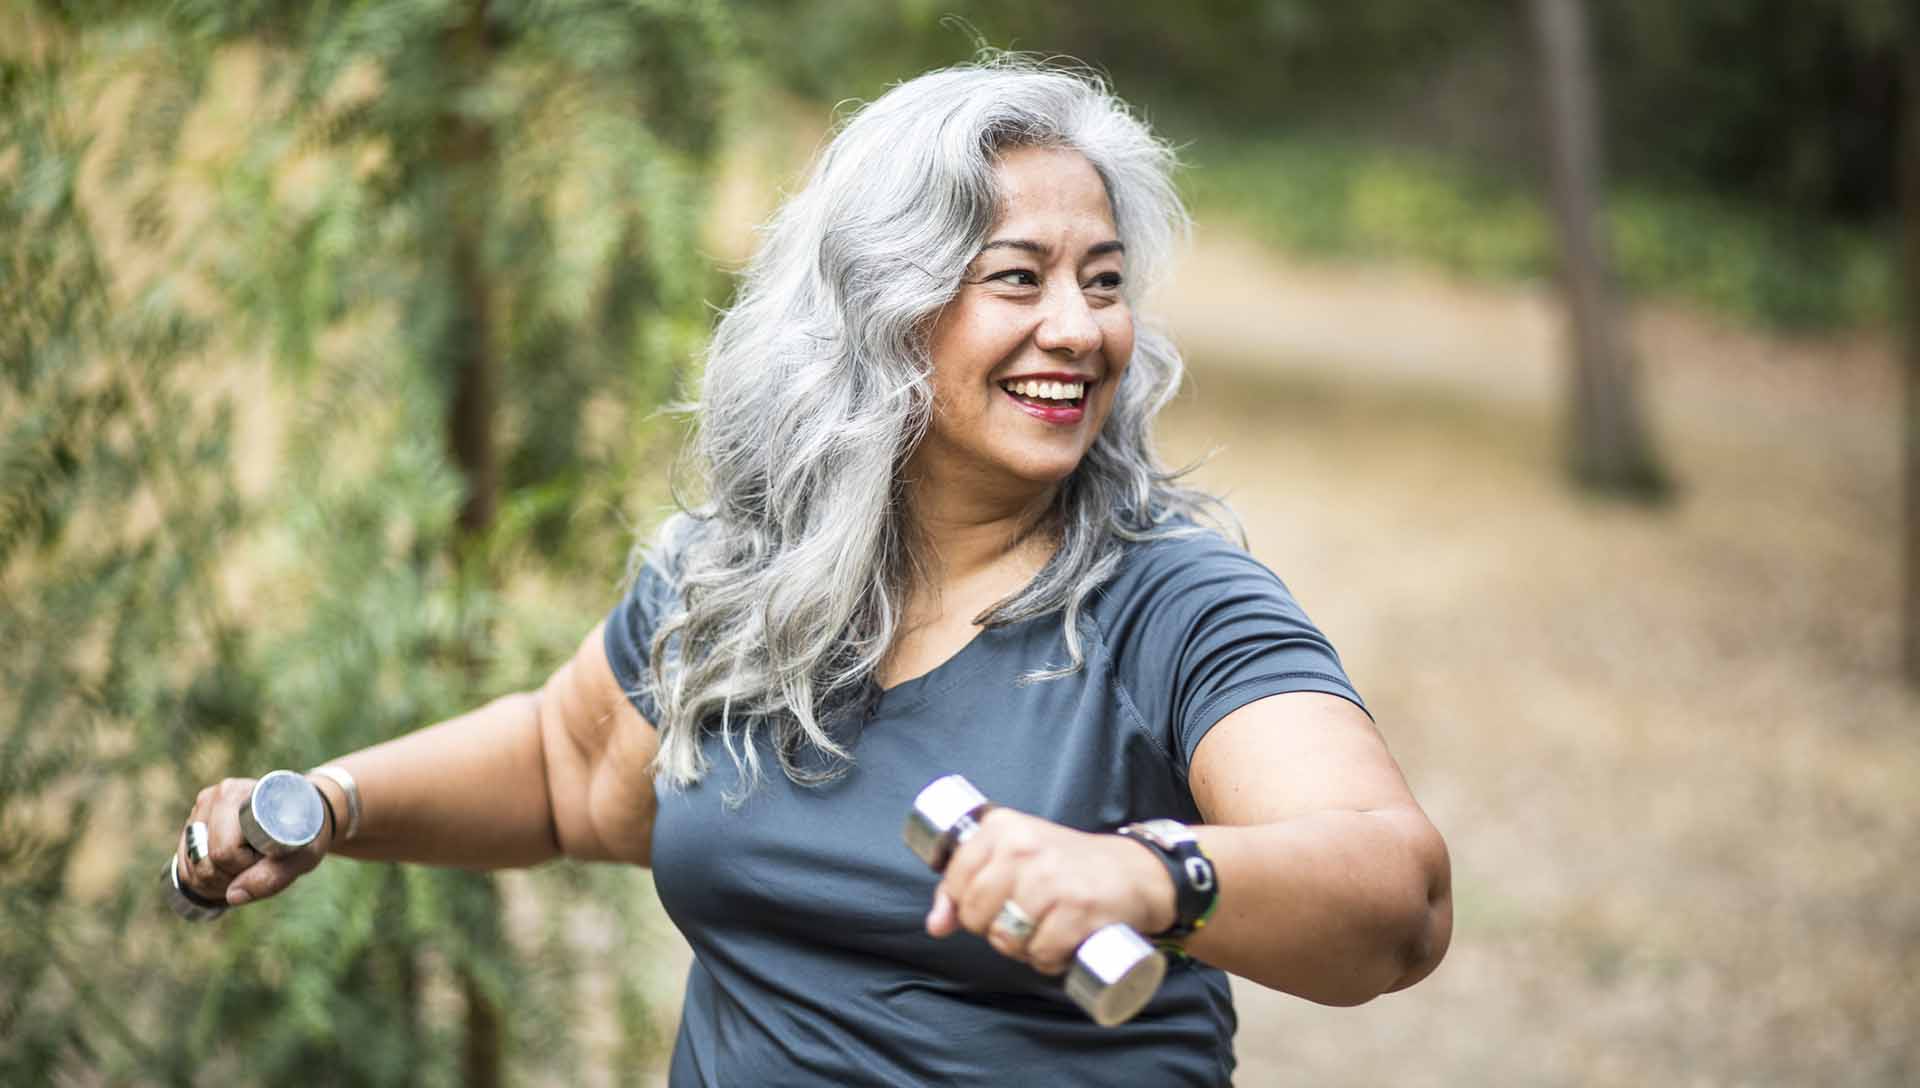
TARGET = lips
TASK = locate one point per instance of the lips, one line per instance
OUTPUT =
(1050, 390)
(1051, 398)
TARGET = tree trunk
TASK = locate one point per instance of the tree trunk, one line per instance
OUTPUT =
(465, 145)
(1607, 443)
(1909, 183)
(471, 393)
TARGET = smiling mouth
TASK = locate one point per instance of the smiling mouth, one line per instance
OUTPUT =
(1047, 394)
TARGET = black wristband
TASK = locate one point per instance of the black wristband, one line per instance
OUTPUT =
(190, 895)
(1196, 888)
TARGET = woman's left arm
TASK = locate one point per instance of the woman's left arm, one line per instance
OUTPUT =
(1334, 885)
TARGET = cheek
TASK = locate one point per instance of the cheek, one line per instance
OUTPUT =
(964, 352)
(1117, 339)
(1116, 328)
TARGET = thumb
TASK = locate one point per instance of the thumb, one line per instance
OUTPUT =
(943, 919)
(269, 877)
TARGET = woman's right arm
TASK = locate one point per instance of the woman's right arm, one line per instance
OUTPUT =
(564, 770)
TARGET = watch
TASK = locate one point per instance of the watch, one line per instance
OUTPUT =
(1196, 888)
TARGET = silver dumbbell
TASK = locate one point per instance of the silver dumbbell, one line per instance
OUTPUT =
(1114, 973)
(283, 813)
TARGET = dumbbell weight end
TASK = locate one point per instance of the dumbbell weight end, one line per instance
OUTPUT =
(1114, 972)
(185, 902)
(283, 813)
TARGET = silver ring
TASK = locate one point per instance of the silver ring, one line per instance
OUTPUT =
(1013, 922)
(196, 842)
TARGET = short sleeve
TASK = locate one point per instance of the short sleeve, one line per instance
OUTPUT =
(1199, 629)
(629, 637)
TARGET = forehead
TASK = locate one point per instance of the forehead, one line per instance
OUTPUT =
(1048, 190)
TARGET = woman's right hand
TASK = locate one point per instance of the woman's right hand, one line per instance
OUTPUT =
(233, 872)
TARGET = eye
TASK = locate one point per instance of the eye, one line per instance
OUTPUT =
(1016, 277)
(1107, 281)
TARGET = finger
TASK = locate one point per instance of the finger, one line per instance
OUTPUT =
(184, 864)
(967, 860)
(943, 920)
(1063, 916)
(980, 876)
(228, 849)
(979, 902)
(270, 876)
(1056, 936)
(196, 870)
(1006, 937)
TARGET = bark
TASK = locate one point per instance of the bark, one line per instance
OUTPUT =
(1608, 445)
(466, 150)
(1909, 188)
(481, 1058)
(465, 145)
(472, 394)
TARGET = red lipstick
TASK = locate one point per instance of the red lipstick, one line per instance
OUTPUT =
(1059, 412)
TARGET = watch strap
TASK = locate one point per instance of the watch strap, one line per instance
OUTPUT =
(1196, 887)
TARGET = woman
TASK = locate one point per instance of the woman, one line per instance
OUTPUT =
(936, 541)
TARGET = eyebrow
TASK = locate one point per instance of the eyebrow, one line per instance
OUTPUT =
(1098, 249)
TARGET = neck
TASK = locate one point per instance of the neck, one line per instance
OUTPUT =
(963, 534)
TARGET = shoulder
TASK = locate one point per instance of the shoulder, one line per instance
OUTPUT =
(650, 597)
(1197, 627)
(654, 586)
(1196, 597)
(1190, 563)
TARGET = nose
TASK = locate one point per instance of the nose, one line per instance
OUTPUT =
(1067, 328)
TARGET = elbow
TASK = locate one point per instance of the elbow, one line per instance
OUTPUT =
(1427, 926)
(1404, 958)
(1402, 963)
(1426, 944)
(1413, 935)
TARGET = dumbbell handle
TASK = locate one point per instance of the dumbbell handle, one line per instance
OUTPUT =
(1114, 972)
(283, 813)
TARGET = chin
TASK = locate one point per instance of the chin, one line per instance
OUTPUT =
(1046, 472)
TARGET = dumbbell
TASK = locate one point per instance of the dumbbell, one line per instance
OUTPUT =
(283, 813)
(1114, 972)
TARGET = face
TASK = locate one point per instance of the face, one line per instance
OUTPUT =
(1028, 355)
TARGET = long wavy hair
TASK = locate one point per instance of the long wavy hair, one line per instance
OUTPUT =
(793, 572)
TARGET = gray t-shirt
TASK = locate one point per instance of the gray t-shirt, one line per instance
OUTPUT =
(805, 908)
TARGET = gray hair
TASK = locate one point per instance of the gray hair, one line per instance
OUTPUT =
(792, 575)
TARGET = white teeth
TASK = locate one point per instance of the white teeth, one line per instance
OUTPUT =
(1048, 390)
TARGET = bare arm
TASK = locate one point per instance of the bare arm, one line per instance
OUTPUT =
(1334, 884)
(527, 777)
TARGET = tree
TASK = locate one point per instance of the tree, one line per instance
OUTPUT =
(422, 209)
(1908, 171)
(1607, 441)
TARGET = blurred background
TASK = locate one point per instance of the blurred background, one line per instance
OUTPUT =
(1550, 350)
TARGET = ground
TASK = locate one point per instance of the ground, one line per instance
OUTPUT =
(1667, 747)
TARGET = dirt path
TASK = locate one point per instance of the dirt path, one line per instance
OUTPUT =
(1667, 748)
(1236, 305)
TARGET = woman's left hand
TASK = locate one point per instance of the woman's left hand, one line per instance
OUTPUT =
(1070, 883)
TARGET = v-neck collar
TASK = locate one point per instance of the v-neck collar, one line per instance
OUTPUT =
(958, 666)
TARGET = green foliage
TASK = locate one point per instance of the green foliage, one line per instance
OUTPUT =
(1775, 101)
(1343, 199)
(1750, 139)
(1254, 58)
(362, 195)
(1787, 104)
